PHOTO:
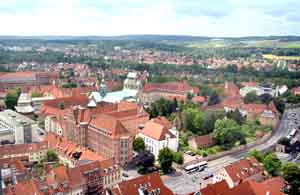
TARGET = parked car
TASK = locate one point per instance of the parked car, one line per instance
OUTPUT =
(205, 177)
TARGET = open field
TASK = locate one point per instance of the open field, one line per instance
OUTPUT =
(216, 43)
(274, 57)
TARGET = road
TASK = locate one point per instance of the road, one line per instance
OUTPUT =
(185, 183)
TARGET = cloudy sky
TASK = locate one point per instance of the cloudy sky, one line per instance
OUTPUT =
(120, 17)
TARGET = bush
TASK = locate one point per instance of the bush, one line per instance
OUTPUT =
(51, 156)
(178, 158)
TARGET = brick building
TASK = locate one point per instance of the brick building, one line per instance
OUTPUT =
(26, 79)
(154, 91)
(107, 129)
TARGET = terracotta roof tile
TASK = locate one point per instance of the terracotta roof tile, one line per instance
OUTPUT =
(243, 169)
(150, 182)
(215, 189)
(158, 128)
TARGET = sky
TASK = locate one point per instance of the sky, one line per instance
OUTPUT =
(221, 18)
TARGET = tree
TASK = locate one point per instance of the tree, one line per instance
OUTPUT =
(189, 96)
(227, 133)
(11, 100)
(193, 120)
(291, 174)
(214, 99)
(69, 85)
(251, 97)
(139, 145)
(232, 68)
(284, 141)
(178, 157)
(165, 159)
(210, 119)
(257, 154)
(279, 103)
(265, 98)
(162, 107)
(272, 164)
(144, 160)
(237, 116)
(51, 156)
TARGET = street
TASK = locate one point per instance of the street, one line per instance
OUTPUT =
(184, 183)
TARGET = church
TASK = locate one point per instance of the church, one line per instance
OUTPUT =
(131, 87)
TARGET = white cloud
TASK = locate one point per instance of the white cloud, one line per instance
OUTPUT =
(116, 17)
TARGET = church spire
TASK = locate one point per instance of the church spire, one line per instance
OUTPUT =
(103, 87)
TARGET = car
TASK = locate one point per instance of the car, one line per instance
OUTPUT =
(125, 175)
(205, 177)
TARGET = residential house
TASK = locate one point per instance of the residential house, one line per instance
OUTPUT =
(159, 133)
(146, 184)
(12, 171)
(85, 179)
(201, 141)
(70, 153)
(272, 186)
(242, 170)
(33, 152)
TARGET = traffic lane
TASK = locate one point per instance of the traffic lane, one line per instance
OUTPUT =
(187, 183)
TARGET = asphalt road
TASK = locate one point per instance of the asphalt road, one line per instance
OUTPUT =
(184, 183)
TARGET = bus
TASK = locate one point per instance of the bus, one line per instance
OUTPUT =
(196, 167)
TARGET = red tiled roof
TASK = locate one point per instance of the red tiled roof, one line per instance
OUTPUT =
(22, 148)
(68, 148)
(243, 169)
(203, 140)
(252, 188)
(29, 187)
(171, 87)
(158, 128)
(232, 90)
(199, 99)
(11, 75)
(151, 182)
(13, 162)
(181, 98)
(249, 84)
(51, 107)
(215, 189)
(276, 183)
(109, 124)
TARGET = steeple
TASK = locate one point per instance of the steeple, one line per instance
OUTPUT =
(103, 87)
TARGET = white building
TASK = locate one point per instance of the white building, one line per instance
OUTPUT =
(260, 90)
(159, 133)
(27, 104)
(17, 128)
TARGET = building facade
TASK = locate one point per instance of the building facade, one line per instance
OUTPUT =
(16, 128)
(159, 133)
(242, 170)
